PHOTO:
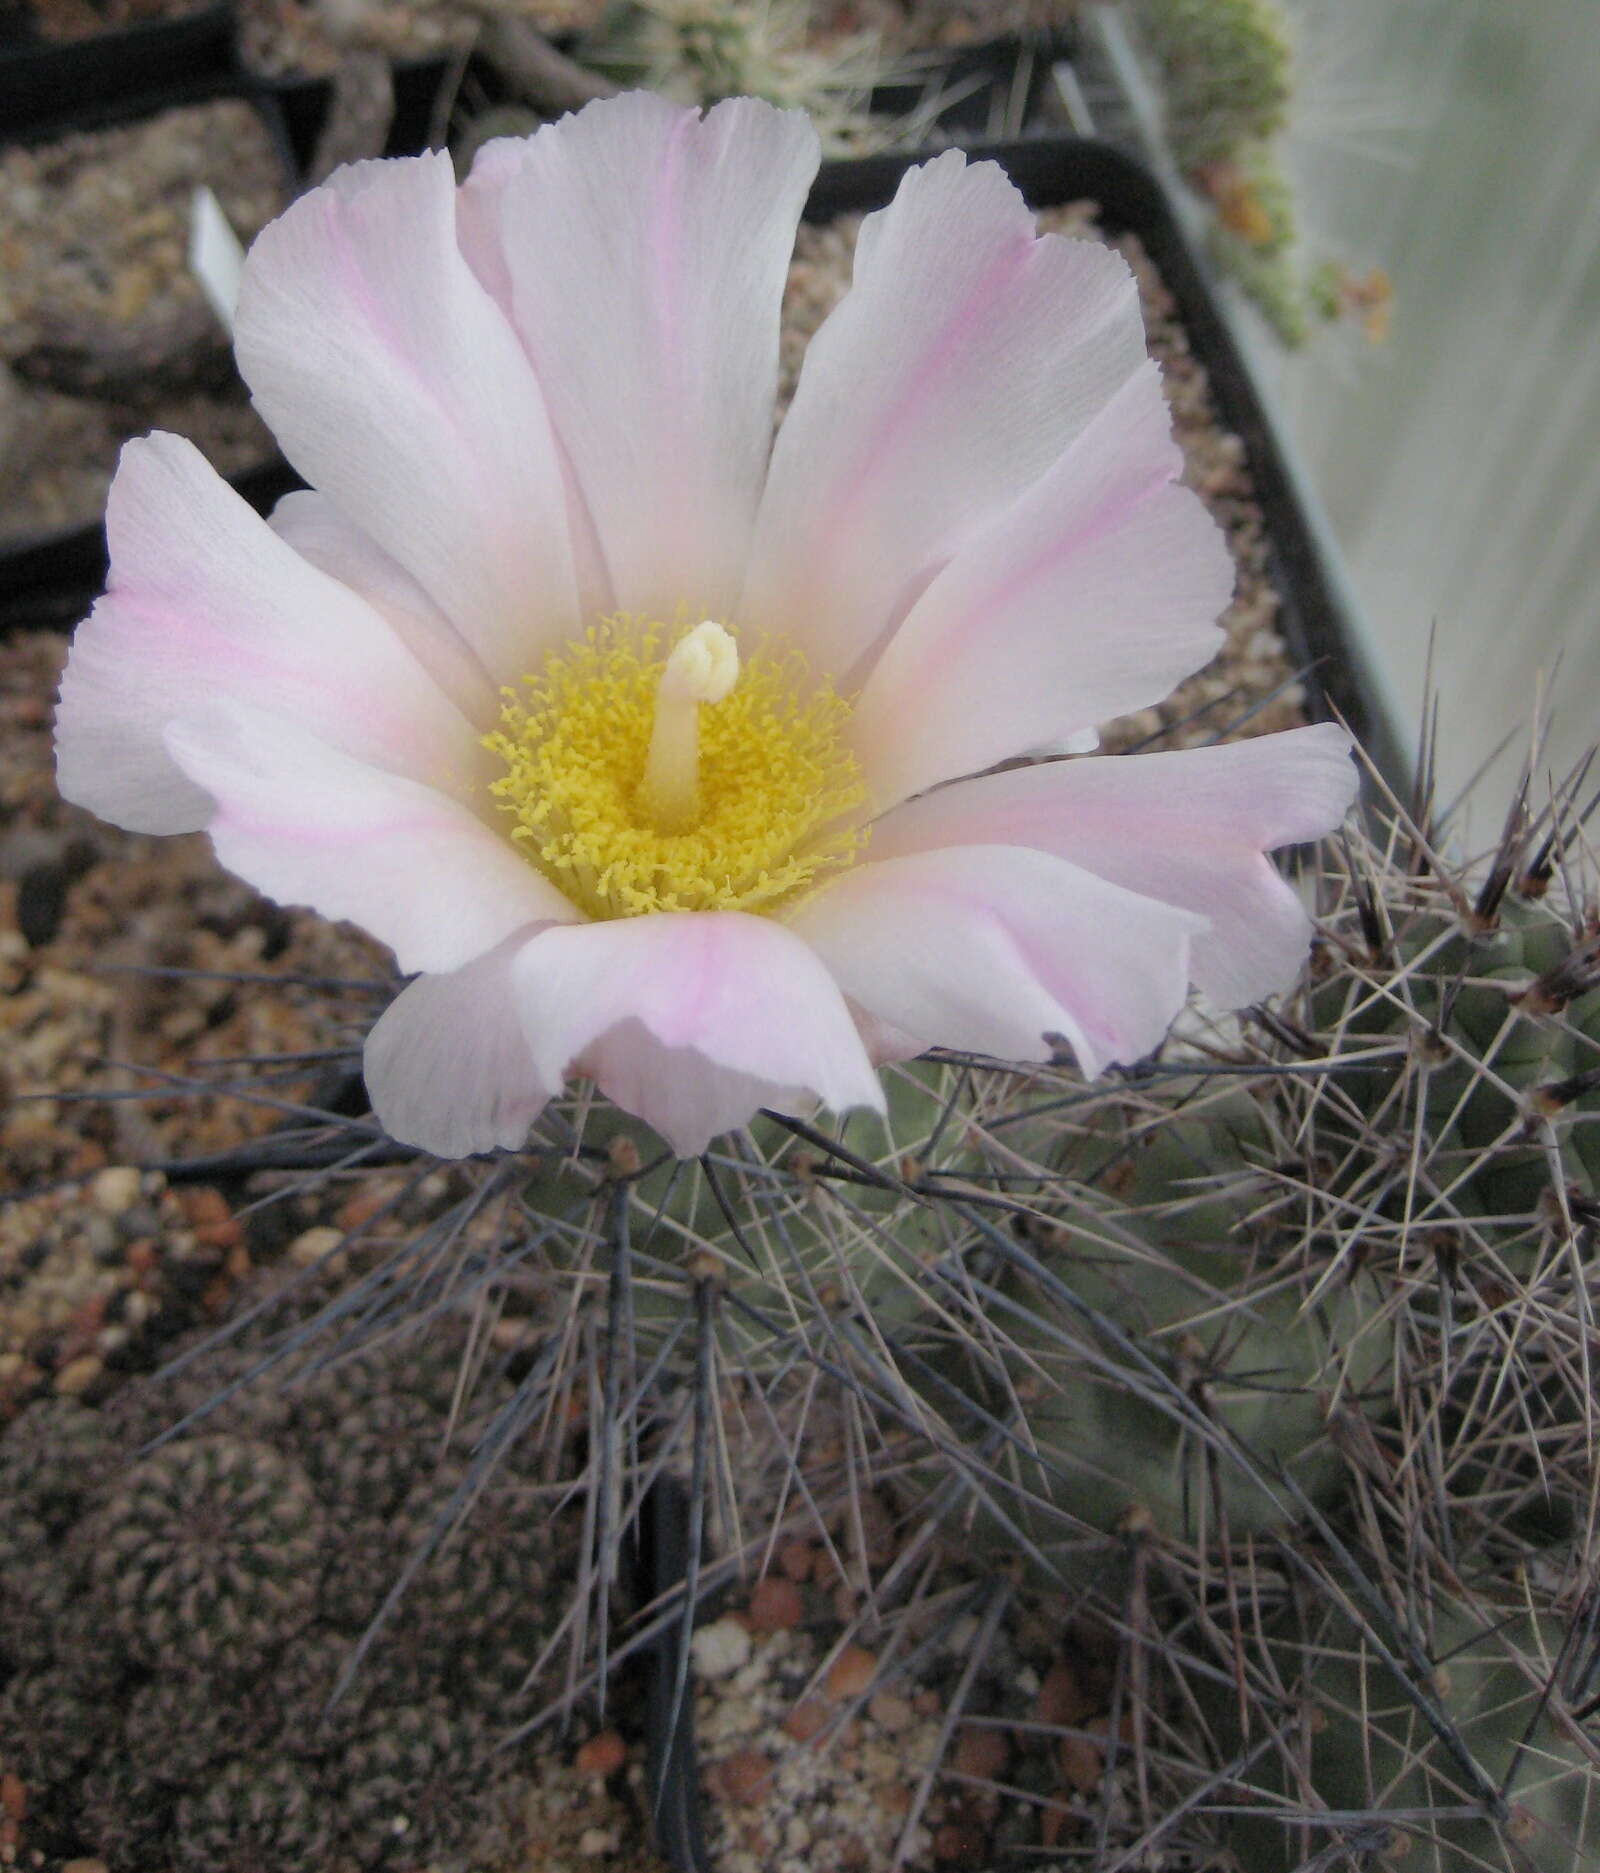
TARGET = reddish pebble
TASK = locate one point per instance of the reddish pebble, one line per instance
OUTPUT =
(215, 1299)
(959, 1843)
(359, 1209)
(894, 1799)
(850, 1673)
(602, 1755)
(1054, 1823)
(141, 1256)
(86, 1320)
(775, 1605)
(13, 1796)
(1081, 1764)
(795, 1559)
(981, 1751)
(744, 1776)
(1062, 1698)
(206, 1212)
(809, 1718)
(877, 1530)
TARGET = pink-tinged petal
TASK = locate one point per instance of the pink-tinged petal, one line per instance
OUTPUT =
(686, 1097)
(309, 825)
(966, 355)
(995, 948)
(206, 603)
(1188, 828)
(397, 387)
(478, 210)
(479, 207)
(318, 532)
(647, 250)
(691, 1021)
(1093, 595)
(447, 1065)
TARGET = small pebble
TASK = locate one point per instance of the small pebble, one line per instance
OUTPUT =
(596, 1843)
(77, 1375)
(602, 1755)
(775, 1605)
(720, 1649)
(1081, 1764)
(312, 1245)
(1062, 1698)
(809, 1718)
(982, 1751)
(959, 1843)
(745, 1776)
(850, 1673)
(890, 1711)
(795, 1559)
(114, 1189)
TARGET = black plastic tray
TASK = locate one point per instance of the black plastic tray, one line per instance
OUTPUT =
(980, 82)
(40, 78)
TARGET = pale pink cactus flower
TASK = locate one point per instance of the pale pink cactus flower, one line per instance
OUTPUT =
(648, 743)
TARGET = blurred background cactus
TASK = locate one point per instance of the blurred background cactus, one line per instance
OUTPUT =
(179, 1652)
(1225, 76)
(1225, 73)
(700, 51)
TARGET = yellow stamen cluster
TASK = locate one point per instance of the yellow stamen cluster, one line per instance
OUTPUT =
(777, 794)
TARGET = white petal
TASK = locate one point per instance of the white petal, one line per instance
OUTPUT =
(1188, 828)
(397, 387)
(447, 1065)
(1093, 595)
(318, 532)
(647, 251)
(965, 357)
(206, 603)
(691, 1020)
(308, 825)
(994, 949)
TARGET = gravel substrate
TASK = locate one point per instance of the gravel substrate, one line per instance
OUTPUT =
(104, 333)
(831, 1738)
(64, 22)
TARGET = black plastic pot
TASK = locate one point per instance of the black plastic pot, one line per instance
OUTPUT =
(419, 86)
(42, 77)
(989, 89)
(53, 577)
(674, 1781)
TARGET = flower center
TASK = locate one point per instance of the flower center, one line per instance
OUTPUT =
(639, 781)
